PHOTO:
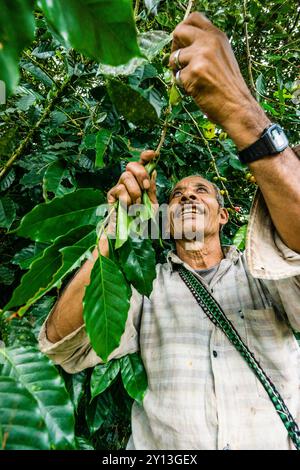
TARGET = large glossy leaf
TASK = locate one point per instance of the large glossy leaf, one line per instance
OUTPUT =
(106, 305)
(50, 220)
(103, 376)
(52, 266)
(134, 376)
(131, 104)
(41, 382)
(21, 425)
(102, 30)
(137, 258)
(16, 32)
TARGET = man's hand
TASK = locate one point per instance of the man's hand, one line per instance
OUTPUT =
(133, 181)
(211, 75)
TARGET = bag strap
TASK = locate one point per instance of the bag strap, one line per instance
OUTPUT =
(216, 314)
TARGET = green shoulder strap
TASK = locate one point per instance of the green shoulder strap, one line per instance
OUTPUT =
(216, 314)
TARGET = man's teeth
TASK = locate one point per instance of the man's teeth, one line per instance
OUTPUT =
(192, 210)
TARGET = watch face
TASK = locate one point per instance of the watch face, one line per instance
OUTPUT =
(278, 138)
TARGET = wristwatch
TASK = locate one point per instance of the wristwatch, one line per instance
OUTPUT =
(272, 141)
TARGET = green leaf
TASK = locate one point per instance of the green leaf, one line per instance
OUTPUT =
(52, 266)
(103, 376)
(82, 443)
(40, 382)
(24, 103)
(98, 410)
(53, 178)
(104, 31)
(175, 96)
(7, 275)
(102, 141)
(152, 42)
(21, 424)
(16, 32)
(123, 224)
(106, 305)
(137, 258)
(235, 163)
(27, 255)
(134, 376)
(131, 104)
(50, 220)
(7, 212)
(8, 180)
(38, 73)
(260, 87)
(239, 239)
(76, 386)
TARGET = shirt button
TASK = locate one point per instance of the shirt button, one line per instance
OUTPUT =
(215, 353)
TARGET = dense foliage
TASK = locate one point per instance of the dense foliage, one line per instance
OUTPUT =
(85, 106)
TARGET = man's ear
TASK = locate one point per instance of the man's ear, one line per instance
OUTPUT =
(223, 216)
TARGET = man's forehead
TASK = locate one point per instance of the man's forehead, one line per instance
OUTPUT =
(192, 180)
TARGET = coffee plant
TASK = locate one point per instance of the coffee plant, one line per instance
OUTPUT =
(87, 89)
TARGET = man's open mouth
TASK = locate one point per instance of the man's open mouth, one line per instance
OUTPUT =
(197, 209)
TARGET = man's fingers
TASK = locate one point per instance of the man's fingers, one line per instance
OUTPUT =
(147, 156)
(185, 55)
(140, 174)
(183, 35)
(131, 186)
(199, 20)
(119, 193)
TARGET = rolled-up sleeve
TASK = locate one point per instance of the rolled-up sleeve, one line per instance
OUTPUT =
(271, 261)
(75, 353)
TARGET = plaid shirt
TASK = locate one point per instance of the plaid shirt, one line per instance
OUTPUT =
(201, 393)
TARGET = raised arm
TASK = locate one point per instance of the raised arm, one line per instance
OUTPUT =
(211, 75)
(67, 314)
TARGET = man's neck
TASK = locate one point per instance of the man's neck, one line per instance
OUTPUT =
(200, 255)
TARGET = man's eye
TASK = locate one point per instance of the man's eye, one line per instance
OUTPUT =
(202, 190)
(176, 193)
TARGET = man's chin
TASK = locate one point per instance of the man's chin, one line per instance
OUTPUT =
(189, 232)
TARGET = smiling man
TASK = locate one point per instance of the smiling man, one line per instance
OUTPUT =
(201, 392)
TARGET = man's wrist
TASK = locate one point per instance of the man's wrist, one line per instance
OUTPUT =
(247, 126)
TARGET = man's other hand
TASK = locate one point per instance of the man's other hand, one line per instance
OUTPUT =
(210, 73)
(133, 181)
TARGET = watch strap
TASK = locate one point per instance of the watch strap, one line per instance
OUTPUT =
(260, 148)
(268, 144)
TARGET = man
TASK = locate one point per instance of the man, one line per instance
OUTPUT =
(202, 394)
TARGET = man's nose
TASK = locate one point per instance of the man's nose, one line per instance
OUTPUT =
(188, 196)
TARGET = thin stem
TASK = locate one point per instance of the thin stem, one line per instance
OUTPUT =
(252, 84)
(188, 9)
(136, 8)
(19, 151)
(163, 132)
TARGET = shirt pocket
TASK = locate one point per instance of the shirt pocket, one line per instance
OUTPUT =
(275, 348)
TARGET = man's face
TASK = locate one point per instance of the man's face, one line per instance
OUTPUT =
(194, 210)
